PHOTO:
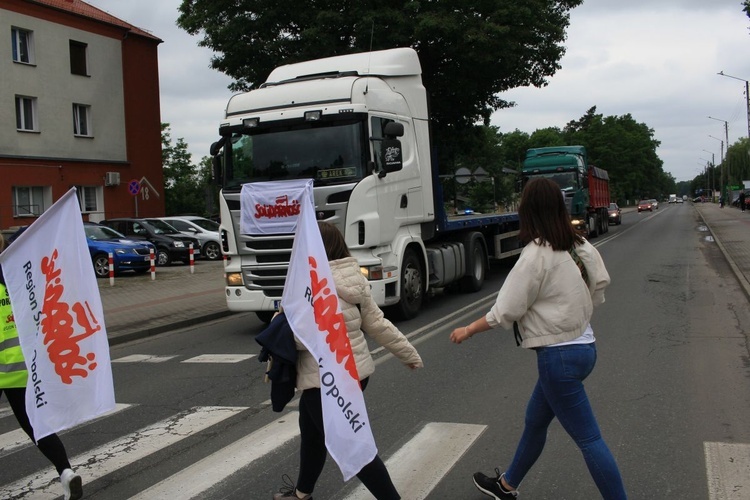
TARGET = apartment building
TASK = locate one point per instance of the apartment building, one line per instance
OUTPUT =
(79, 106)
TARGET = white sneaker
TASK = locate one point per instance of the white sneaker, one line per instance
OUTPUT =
(72, 485)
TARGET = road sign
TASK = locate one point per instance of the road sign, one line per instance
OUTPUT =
(134, 187)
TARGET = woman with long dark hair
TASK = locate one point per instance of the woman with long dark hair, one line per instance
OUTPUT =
(547, 299)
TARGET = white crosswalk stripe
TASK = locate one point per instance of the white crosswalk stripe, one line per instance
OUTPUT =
(194, 480)
(728, 470)
(126, 450)
(417, 467)
(17, 439)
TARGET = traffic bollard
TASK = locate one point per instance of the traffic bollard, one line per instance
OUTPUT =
(192, 260)
(111, 269)
(153, 263)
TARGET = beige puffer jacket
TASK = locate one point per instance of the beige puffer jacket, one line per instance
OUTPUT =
(352, 288)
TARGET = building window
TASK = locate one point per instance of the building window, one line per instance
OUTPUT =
(29, 201)
(82, 120)
(26, 113)
(78, 64)
(88, 198)
(23, 45)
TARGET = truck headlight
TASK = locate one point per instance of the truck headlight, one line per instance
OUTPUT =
(372, 272)
(234, 279)
(577, 222)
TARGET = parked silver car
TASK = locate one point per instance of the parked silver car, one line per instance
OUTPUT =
(205, 230)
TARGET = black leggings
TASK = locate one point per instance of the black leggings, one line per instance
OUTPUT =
(50, 446)
(313, 452)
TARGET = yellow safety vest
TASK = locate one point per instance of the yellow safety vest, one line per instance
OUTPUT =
(12, 366)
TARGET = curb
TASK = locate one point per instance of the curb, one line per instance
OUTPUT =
(741, 280)
(115, 339)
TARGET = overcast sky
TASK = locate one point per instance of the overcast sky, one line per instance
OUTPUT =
(655, 59)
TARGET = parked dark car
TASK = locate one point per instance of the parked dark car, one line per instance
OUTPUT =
(615, 214)
(128, 254)
(170, 244)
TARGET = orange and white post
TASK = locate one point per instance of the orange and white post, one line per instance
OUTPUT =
(192, 260)
(111, 269)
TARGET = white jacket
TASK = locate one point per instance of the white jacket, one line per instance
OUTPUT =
(546, 294)
(352, 288)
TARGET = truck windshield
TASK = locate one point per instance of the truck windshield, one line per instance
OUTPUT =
(328, 152)
(566, 180)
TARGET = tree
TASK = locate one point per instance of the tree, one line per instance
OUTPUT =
(626, 149)
(184, 192)
(469, 51)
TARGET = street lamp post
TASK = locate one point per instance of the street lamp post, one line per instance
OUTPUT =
(721, 159)
(726, 136)
(705, 173)
(713, 174)
(747, 99)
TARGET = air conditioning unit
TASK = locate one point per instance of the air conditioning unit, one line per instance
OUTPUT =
(112, 179)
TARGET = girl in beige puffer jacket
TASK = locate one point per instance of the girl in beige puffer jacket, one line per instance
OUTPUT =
(362, 316)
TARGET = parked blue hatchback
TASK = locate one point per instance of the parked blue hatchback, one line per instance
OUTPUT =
(129, 255)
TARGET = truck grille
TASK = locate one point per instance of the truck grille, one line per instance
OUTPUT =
(272, 255)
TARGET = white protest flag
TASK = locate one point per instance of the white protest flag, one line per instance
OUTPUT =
(312, 308)
(59, 317)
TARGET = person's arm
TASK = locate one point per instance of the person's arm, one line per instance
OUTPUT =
(466, 332)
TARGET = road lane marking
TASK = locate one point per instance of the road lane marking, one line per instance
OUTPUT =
(17, 439)
(728, 470)
(204, 474)
(119, 453)
(143, 358)
(418, 466)
(219, 358)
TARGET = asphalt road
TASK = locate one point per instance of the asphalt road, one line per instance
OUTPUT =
(671, 381)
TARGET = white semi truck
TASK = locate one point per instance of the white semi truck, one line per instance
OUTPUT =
(337, 121)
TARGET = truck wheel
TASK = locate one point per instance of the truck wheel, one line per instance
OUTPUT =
(476, 263)
(412, 286)
(265, 316)
(593, 227)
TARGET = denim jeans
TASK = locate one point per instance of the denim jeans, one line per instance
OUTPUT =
(559, 393)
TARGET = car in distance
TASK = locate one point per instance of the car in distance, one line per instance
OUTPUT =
(205, 230)
(615, 214)
(679, 200)
(654, 203)
(644, 205)
(128, 255)
(170, 244)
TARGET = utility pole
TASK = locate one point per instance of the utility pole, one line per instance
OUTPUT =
(747, 100)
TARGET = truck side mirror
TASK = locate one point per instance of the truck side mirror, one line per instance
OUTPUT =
(216, 146)
(393, 130)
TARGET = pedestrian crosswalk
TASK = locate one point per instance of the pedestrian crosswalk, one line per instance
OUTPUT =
(417, 466)
(428, 455)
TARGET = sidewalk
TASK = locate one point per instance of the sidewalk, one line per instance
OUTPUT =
(731, 230)
(136, 307)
